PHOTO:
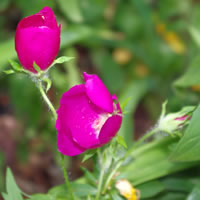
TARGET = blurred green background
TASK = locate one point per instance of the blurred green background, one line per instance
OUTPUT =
(140, 49)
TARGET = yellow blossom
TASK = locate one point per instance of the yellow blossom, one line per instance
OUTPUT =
(122, 56)
(126, 190)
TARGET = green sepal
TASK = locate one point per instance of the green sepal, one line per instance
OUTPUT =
(61, 60)
(16, 66)
(89, 154)
(121, 141)
(9, 71)
(36, 67)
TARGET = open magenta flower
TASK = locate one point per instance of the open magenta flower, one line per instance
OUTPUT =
(88, 117)
(37, 39)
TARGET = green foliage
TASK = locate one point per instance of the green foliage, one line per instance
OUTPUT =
(195, 194)
(191, 76)
(150, 189)
(13, 192)
(151, 161)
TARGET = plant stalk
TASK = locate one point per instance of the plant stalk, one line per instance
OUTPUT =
(46, 99)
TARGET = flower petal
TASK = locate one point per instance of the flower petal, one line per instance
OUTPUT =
(110, 129)
(43, 46)
(79, 115)
(112, 125)
(98, 93)
(66, 145)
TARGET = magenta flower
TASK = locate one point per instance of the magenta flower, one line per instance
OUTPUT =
(37, 39)
(88, 117)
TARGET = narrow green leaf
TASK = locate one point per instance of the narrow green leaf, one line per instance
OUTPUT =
(89, 176)
(121, 141)
(9, 71)
(188, 149)
(36, 67)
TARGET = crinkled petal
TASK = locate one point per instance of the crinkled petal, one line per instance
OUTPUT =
(66, 145)
(79, 116)
(98, 93)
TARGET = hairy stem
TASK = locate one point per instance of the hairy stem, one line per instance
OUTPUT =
(46, 99)
(100, 183)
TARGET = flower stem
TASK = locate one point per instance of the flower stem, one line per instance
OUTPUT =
(144, 137)
(100, 183)
(112, 173)
(46, 99)
(140, 141)
(67, 178)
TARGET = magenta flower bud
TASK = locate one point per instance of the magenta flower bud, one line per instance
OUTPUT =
(88, 117)
(37, 39)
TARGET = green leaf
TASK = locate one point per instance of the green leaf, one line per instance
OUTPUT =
(89, 176)
(89, 154)
(191, 76)
(48, 82)
(10, 71)
(13, 192)
(41, 197)
(150, 161)
(195, 194)
(188, 148)
(150, 189)
(61, 60)
(36, 67)
(121, 141)
(16, 66)
(177, 184)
